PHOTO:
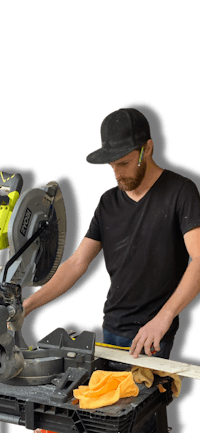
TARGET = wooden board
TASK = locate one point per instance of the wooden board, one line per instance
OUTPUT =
(152, 362)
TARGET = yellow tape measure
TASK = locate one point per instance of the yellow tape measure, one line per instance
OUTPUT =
(111, 346)
(108, 345)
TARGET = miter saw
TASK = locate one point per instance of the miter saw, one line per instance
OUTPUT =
(33, 226)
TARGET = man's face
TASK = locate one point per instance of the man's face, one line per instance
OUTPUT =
(128, 175)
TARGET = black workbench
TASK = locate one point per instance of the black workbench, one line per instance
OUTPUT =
(34, 407)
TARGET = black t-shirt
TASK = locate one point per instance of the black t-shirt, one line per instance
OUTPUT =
(144, 249)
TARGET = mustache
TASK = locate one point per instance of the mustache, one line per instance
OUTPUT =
(124, 179)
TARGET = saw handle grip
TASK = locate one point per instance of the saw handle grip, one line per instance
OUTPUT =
(12, 181)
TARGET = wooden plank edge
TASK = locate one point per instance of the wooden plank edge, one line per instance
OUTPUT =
(154, 363)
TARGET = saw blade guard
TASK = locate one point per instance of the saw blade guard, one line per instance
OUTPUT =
(37, 264)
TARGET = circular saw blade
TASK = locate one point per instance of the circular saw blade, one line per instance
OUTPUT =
(52, 241)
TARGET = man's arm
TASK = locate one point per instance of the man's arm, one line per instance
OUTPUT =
(65, 276)
(189, 286)
(187, 290)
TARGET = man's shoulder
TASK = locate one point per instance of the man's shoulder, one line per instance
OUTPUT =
(110, 193)
(176, 179)
(179, 187)
(174, 175)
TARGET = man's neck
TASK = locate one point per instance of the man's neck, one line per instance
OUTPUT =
(153, 172)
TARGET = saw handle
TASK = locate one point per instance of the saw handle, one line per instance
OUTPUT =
(12, 181)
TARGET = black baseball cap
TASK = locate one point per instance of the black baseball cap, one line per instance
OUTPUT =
(121, 132)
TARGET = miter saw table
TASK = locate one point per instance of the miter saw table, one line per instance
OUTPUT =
(36, 386)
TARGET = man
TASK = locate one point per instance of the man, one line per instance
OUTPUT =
(148, 226)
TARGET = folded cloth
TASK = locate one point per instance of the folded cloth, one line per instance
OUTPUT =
(105, 388)
(146, 375)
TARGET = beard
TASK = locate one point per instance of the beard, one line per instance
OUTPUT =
(131, 183)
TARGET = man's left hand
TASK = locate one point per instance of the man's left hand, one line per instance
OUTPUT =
(152, 332)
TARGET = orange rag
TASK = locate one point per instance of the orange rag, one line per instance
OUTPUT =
(105, 388)
(146, 375)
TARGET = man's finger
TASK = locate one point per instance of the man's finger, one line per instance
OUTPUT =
(134, 345)
(157, 345)
(136, 348)
(149, 348)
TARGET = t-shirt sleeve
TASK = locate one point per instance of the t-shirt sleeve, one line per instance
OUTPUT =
(94, 228)
(188, 207)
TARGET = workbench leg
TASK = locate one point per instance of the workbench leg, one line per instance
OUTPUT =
(161, 418)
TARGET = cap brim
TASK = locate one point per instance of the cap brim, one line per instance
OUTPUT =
(104, 156)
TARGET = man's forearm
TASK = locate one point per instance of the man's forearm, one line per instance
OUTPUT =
(187, 290)
(64, 278)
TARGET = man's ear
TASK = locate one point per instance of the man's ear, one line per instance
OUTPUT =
(149, 148)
